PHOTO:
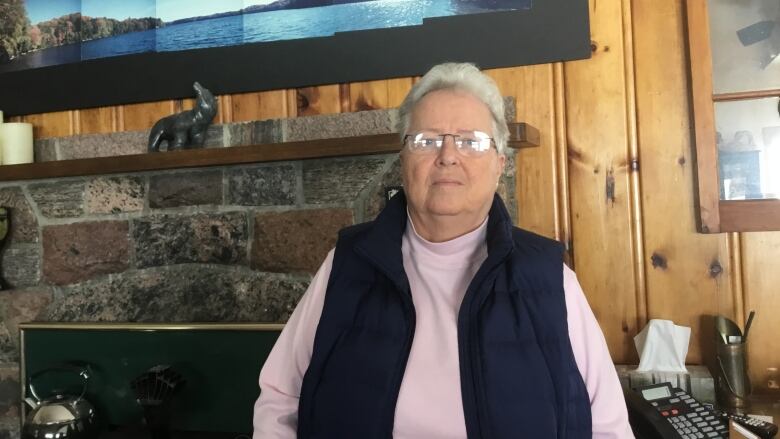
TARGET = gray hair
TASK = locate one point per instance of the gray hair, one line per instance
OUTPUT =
(462, 77)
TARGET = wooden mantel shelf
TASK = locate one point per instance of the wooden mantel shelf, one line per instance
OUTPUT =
(521, 136)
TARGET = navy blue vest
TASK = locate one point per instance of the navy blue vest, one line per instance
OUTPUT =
(517, 369)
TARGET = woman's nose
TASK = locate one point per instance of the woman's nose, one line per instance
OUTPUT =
(448, 154)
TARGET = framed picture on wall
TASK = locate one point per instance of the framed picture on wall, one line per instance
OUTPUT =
(69, 54)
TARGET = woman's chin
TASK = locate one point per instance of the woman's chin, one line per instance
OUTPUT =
(445, 208)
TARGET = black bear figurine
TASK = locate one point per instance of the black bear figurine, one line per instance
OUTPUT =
(188, 128)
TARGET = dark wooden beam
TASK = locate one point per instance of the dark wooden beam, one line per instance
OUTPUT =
(521, 136)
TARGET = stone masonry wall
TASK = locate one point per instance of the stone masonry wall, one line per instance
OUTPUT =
(219, 244)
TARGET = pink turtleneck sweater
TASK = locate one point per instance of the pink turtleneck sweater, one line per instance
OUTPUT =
(429, 403)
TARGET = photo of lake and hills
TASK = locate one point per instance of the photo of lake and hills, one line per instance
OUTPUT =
(39, 33)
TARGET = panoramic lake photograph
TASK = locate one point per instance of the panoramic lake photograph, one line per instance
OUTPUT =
(39, 33)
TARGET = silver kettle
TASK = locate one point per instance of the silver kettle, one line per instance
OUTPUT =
(60, 416)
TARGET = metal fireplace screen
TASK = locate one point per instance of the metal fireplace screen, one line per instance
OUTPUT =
(219, 363)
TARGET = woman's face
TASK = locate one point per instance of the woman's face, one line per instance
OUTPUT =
(447, 182)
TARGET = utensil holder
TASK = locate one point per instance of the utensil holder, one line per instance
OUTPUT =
(733, 386)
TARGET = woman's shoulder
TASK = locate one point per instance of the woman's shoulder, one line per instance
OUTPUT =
(530, 241)
(355, 230)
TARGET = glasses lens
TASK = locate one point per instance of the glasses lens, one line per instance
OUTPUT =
(423, 142)
(467, 142)
(474, 142)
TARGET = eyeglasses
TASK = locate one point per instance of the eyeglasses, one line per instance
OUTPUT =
(471, 143)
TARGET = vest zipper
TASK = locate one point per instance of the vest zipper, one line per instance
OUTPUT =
(406, 299)
(467, 354)
(467, 348)
(405, 291)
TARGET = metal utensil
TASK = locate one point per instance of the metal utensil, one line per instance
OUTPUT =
(747, 325)
(727, 329)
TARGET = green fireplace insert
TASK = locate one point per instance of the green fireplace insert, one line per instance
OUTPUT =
(220, 363)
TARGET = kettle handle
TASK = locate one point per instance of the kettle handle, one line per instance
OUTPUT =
(82, 370)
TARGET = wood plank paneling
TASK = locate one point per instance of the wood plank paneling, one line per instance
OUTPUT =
(688, 273)
(60, 123)
(561, 172)
(324, 99)
(397, 89)
(599, 182)
(259, 105)
(535, 183)
(635, 186)
(143, 116)
(370, 95)
(97, 120)
(760, 251)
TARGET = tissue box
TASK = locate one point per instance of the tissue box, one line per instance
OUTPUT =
(697, 381)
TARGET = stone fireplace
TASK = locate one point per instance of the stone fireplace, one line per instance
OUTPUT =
(218, 244)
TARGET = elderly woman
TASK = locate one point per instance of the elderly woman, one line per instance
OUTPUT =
(439, 319)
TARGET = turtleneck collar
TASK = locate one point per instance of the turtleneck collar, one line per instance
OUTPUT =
(381, 243)
(459, 252)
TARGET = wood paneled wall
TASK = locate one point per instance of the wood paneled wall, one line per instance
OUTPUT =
(613, 178)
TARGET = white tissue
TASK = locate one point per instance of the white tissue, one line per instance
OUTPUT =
(662, 346)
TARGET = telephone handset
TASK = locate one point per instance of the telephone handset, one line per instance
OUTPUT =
(660, 411)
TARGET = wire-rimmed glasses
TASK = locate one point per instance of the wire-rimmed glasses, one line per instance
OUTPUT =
(470, 143)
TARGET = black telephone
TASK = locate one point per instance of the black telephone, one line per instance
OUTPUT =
(660, 411)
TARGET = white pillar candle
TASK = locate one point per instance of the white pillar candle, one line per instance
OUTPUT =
(1, 117)
(16, 143)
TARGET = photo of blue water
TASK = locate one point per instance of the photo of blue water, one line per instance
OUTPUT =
(228, 24)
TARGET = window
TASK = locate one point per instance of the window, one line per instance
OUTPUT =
(735, 81)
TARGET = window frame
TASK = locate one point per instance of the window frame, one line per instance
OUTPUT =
(713, 214)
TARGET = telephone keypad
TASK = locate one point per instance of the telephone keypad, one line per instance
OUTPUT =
(690, 418)
(685, 417)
